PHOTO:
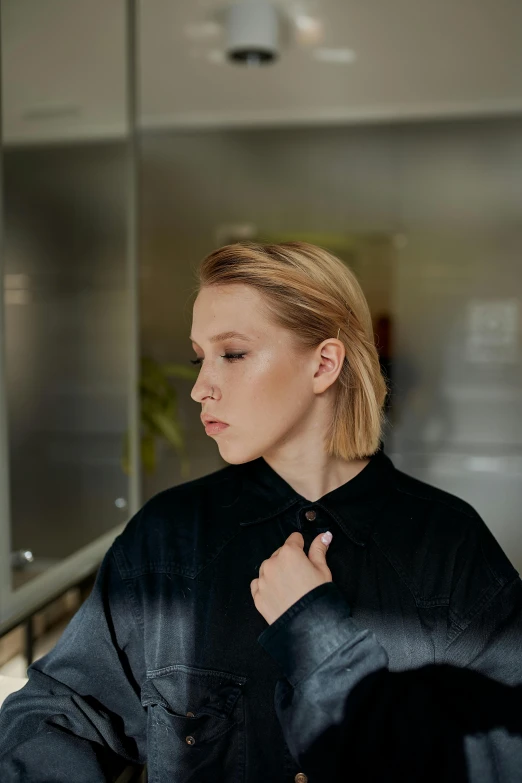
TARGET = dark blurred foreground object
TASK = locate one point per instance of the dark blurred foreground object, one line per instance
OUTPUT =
(345, 716)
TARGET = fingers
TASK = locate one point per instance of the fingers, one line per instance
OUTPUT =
(295, 539)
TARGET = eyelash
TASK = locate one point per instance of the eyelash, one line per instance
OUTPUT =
(230, 357)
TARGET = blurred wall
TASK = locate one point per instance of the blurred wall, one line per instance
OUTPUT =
(449, 194)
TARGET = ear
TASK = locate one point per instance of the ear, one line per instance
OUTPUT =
(330, 358)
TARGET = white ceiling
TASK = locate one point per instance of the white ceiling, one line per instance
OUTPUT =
(64, 66)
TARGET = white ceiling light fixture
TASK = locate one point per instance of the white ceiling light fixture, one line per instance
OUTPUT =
(255, 32)
(252, 32)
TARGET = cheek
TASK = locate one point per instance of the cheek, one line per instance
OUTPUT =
(269, 378)
(267, 401)
(278, 389)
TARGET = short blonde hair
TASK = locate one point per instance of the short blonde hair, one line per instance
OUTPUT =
(313, 294)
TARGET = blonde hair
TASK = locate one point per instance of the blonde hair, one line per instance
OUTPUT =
(313, 294)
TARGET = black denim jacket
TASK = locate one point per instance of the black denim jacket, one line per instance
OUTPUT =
(169, 663)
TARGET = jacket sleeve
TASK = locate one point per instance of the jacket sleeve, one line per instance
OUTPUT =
(79, 718)
(346, 716)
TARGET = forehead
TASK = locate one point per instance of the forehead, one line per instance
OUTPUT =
(234, 306)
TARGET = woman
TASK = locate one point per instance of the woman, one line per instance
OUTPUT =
(170, 661)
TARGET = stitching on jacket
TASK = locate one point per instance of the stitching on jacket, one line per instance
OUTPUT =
(423, 603)
(486, 598)
(129, 591)
(286, 505)
(173, 567)
(193, 671)
(469, 514)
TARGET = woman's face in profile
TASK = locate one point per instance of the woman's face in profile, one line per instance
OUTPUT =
(264, 389)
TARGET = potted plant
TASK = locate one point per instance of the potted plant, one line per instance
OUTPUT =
(159, 413)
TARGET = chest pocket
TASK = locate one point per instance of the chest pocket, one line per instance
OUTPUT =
(195, 725)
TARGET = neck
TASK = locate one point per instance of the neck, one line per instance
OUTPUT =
(314, 475)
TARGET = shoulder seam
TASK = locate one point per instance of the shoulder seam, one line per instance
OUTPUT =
(470, 515)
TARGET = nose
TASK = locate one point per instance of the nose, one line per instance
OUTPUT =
(201, 389)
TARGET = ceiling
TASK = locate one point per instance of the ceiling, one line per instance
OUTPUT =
(64, 66)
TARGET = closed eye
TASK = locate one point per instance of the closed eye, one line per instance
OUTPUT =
(230, 357)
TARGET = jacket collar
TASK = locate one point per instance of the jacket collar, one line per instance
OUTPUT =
(354, 505)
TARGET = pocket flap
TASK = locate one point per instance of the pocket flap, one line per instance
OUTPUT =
(185, 689)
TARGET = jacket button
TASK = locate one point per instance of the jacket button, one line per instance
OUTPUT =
(301, 778)
(190, 714)
(190, 740)
(310, 515)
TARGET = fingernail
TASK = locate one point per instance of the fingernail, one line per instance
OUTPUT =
(326, 538)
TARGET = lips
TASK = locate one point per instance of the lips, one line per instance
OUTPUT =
(214, 427)
(207, 419)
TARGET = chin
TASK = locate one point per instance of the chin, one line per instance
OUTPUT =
(237, 455)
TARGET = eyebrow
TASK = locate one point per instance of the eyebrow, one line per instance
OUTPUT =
(226, 336)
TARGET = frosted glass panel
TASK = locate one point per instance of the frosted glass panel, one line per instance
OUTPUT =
(458, 369)
(67, 347)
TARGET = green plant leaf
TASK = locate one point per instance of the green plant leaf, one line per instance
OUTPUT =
(125, 459)
(159, 413)
(148, 453)
(169, 428)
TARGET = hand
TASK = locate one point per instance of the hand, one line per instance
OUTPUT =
(288, 575)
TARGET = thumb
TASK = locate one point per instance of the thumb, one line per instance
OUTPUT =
(319, 548)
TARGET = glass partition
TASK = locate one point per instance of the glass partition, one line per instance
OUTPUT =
(70, 314)
(66, 348)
